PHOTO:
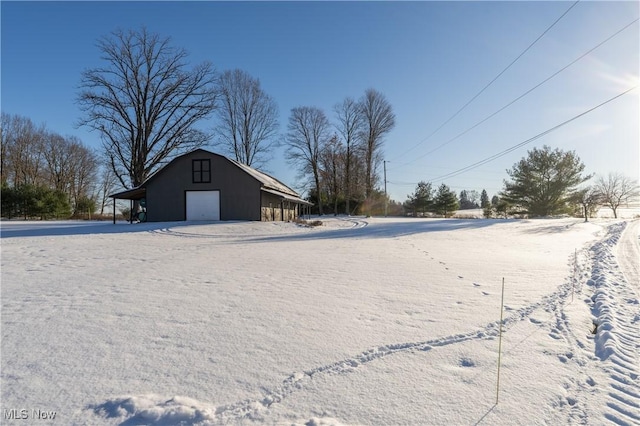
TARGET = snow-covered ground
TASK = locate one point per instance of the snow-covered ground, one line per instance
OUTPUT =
(359, 321)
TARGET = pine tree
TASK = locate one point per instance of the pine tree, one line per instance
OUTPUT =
(421, 200)
(464, 200)
(484, 200)
(468, 199)
(445, 202)
(544, 183)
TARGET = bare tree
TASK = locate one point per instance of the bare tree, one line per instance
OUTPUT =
(248, 119)
(5, 144)
(589, 199)
(58, 162)
(84, 171)
(51, 172)
(69, 166)
(145, 102)
(350, 122)
(616, 189)
(306, 136)
(21, 151)
(107, 185)
(332, 162)
(379, 120)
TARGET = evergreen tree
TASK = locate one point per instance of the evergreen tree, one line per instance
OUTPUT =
(445, 202)
(488, 211)
(421, 200)
(85, 205)
(34, 201)
(484, 200)
(424, 196)
(544, 183)
(464, 200)
(468, 200)
(503, 208)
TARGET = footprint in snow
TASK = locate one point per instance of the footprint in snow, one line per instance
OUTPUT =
(466, 362)
(476, 285)
(460, 276)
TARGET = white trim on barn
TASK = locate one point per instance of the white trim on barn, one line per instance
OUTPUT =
(203, 205)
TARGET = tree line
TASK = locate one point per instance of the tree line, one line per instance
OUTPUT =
(43, 173)
(148, 105)
(341, 162)
(548, 182)
(552, 182)
(145, 103)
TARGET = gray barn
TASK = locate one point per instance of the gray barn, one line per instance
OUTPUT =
(202, 185)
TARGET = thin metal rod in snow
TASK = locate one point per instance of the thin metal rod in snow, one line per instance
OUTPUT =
(500, 343)
(575, 274)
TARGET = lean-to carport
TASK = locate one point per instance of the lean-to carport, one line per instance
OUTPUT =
(135, 194)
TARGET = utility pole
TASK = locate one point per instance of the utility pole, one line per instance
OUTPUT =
(385, 187)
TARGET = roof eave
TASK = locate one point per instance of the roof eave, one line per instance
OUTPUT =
(130, 194)
(287, 197)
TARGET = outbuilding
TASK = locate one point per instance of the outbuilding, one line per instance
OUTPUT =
(202, 185)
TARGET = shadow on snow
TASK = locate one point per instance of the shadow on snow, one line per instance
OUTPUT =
(14, 229)
(386, 230)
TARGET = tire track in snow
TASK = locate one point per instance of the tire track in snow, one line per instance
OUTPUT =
(356, 223)
(616, 309)
(628, 251)
(173, 233)
(227, 234)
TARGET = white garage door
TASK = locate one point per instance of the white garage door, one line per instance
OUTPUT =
(203, 205)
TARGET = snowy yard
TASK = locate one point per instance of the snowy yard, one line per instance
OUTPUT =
(359, 321)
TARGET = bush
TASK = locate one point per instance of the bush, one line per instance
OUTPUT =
(30, 201)
(308, 223)
(85, 206)
(126, 213)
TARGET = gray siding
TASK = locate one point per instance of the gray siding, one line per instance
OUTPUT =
(166, 191)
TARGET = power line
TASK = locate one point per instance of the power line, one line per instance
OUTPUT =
(490, 83)
(523, 143)
(524, 94)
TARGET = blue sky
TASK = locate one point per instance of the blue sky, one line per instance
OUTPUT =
(427, 58)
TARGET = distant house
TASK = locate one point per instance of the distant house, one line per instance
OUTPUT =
(202, 185)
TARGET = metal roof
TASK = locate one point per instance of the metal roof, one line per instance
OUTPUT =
(267, 181)
(288, 197)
